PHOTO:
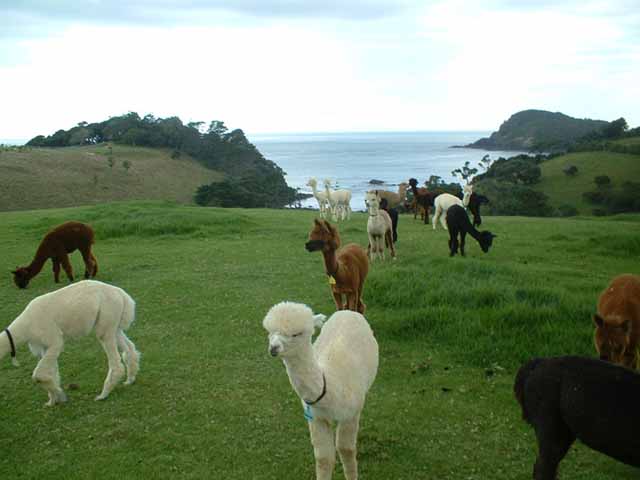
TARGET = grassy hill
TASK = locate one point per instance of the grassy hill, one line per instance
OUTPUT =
(73, 176)
(210, 401)
(564, 190)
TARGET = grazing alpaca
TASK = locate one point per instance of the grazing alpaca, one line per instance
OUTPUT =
(617, 334)
(75, 310)
(393, 198)
(475, 201)
(569, 398)
(346, 267)
(56, 245)
(393, 213)
(442, 203)
(379, 228)
(423, 199)
(459, 224)
(339, 201)
(331, 377)
(321, 197)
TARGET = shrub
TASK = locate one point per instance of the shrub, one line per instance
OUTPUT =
(599, 212)
(597, 197)
(602, 181)
(570, 170)
(567, 211)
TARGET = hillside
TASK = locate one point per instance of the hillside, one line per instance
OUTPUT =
(564, 190)
(72, 176)
(538, 130)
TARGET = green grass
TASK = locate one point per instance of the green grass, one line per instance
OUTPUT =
(65, 177)
(210, 402)
(628, 142)
(564, 190)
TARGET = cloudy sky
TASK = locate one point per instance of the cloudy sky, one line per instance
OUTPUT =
(316, 65)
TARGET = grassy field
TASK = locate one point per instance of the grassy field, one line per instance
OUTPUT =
(565, 190)
(211, 403)
(72, 176)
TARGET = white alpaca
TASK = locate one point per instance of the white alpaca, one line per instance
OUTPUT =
(442, 204)
(339, 201)
(331, 377)
(467, 190)
(321, 197)
(379, 228)
(75, 311)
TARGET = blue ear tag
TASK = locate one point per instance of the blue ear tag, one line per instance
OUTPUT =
(308, 414)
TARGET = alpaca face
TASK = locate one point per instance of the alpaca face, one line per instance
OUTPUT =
(282, 345)
(612, 341)
(322, 237)
(21, 277)
(486, 240)
(372, 201)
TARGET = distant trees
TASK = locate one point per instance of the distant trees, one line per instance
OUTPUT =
(570, 170)
(466, 172)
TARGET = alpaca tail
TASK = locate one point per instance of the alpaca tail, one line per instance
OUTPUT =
(128, 312)
(521, 379)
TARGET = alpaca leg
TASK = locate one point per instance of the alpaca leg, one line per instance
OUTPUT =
(88, 262)
(337, 298)
(324, 449)
(346, 441)
(554, 440)
(453, 242)
(46, 372)
(130, 356)
(443, 220)
(116, 369)
(463, 235)
(56, 270)
(352, 301)
(390, 243)
(95, 265)
(66, 265)
(436, 216)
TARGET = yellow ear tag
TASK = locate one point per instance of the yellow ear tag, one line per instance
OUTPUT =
(332, 281)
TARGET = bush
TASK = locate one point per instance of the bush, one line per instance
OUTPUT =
(513, 199)
(599, 212)
(570, 170)
(597, 197)
(567, 211)
(602, 181)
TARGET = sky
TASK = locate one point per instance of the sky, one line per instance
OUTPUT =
(316, 66)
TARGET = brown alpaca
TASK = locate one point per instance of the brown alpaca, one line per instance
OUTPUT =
(346, 267)
(56, 245)
(617, 334)
(423, 200)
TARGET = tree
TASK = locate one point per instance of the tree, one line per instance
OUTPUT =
(485, 162)
(602, 181)
(616, 128)
(127, 165)
(465, 172)
(570, 170)
(217, 127)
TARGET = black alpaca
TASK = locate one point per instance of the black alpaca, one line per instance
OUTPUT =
(423, 198)
(474, 207)
(393, 213)
(569, 398)
(458, 224)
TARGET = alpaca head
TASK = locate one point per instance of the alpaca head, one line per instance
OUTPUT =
(323, 236)
(467, 190)
(612, 339)
(327, 183)
(486, 240)
(413, 182)
(312, 182)
(372, 200)
(290, 326)
(21, 277)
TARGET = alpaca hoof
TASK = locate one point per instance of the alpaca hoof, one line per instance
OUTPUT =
(62, 398)
(130, 381)
(101, 397)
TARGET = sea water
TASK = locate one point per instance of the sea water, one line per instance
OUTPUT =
(352, 160)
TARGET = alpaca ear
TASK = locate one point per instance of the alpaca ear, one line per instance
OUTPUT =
(317, 222)
(318, 320)
(493, 236)
(598, 320)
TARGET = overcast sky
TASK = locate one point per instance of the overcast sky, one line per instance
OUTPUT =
(325, 65)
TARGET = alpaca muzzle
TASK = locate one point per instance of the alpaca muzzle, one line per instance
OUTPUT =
(314, 245)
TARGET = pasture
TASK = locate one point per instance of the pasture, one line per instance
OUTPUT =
(210, 402)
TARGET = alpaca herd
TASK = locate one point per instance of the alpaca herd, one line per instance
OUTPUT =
(563, 398)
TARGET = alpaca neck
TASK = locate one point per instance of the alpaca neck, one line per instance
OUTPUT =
(305, 374)
(18, 331)
(36, 265)
(474, 233)
(414, 190)
(330, 262)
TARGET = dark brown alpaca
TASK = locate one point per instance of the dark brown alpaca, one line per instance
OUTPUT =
(56, 245)
(423, 199)
(346, 267)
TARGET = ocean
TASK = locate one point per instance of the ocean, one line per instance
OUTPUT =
(351, 160)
